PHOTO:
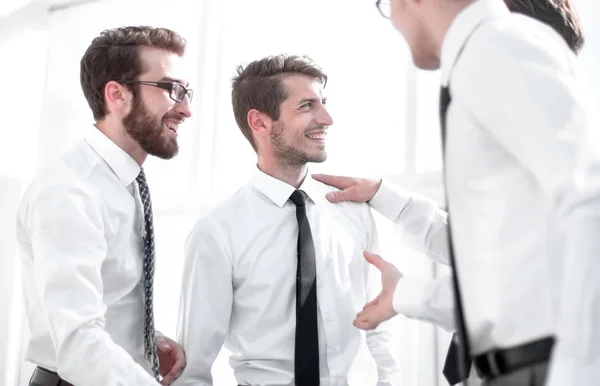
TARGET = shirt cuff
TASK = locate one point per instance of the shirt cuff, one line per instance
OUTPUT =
(409, 296)
(390, 200)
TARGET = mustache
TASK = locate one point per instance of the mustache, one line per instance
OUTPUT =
(175, 118)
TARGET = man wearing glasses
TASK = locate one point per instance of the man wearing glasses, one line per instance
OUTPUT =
(85, 225)
(522, 176)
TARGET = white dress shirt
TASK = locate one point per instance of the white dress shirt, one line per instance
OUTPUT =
(80, 229)
(523, 186)
(239, 288)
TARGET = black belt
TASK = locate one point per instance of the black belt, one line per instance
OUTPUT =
(500, 362)
(43, 377)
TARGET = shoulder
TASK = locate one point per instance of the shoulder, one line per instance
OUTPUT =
(511, 44)
(214, 222)
(59, 188)
(357, 212)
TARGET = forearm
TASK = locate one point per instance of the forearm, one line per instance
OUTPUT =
(421, 222)
(88, 356)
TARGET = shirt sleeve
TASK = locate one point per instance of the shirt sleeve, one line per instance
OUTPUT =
(528, 95)
(378, 340)
(69, 249)
(206, 302)
(421, 222)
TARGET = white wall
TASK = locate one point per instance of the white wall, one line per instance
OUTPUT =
(23, 42)
(589, 11)
(10, 191)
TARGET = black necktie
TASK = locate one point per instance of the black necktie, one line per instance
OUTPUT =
(458, 362)
(150, 352)
(306, 356)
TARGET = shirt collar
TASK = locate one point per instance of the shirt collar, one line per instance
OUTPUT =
(121, 163)
(462, 27)
(278, 191)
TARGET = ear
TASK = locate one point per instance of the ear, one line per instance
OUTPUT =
(117, 97)
(260, 123)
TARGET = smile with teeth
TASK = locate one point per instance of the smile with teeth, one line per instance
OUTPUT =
(317, 136)
(172, 126)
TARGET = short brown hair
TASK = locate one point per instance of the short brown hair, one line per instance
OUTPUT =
(115, 55)
(259, 86)
(558, 14)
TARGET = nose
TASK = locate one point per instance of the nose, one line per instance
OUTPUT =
(323, 118)
(183, 108)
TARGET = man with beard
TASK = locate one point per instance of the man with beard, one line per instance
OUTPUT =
(276, 272)
(85, 223)
(525, 185)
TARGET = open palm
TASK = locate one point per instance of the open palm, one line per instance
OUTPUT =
(381, 308)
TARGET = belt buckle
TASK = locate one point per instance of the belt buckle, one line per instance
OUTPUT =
(493, 363)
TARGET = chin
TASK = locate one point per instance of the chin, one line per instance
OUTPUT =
(319, 158)
(426, 62)
(165, 151)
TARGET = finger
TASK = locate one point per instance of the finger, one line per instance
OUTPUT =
(179, 363)
(163, 344)
(167, 379)
(339, 182)
(376, 260)
(368, 314)
(174, 373)
(371, 317)
(348, 194)
(363, 324)
(372, 303)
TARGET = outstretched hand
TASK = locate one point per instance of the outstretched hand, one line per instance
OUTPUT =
(381, 308)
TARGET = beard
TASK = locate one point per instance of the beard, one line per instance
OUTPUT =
(289, 151)
(149, 132)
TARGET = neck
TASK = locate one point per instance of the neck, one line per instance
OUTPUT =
(290, 174)
(117, 133)
(440, 24)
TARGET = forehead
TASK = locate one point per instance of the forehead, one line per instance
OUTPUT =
(159, 63)
(302, 86)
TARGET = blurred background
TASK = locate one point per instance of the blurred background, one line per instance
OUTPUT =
(384, 110)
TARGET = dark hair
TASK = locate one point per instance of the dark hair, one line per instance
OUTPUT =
(115, 55)
(259, 86)
(558, 14)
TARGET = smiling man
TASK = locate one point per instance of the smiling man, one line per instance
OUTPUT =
(286, 264)
(85, 225)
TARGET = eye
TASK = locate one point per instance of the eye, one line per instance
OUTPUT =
(307, 105)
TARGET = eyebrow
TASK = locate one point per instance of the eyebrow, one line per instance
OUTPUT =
(304, 100)
(168, 79)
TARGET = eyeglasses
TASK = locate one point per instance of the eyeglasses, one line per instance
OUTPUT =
(176, 91)
(384, 8)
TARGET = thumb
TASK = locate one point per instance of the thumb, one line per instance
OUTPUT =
(375, 260)
(342, 195)
(161, 342)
